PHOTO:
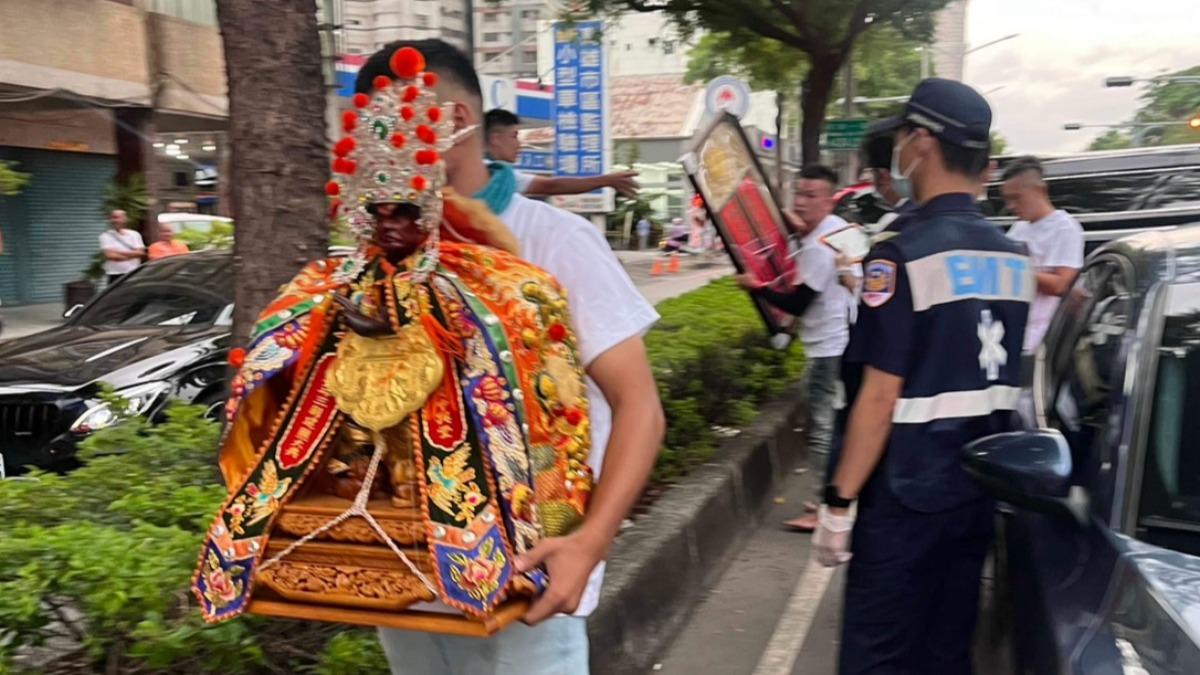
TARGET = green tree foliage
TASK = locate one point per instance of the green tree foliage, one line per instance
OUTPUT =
(886, 64)
(11, 180)
(130, 197)
(1173, 101)
(999, 143)
(822, 33)
(1111, 140)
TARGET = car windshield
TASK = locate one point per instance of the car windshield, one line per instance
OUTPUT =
(181, 291)
(1171, 488)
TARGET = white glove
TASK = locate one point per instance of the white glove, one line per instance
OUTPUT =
(831, 541)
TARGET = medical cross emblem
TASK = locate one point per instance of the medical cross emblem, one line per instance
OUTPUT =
(992, 353)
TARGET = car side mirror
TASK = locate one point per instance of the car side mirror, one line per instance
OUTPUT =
(1028, 469)
(71, 312)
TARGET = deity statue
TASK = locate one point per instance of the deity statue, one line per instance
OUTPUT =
(406, 420)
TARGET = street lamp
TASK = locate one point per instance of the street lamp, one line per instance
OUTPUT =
(1139, 128)
(924, 49)
(1128, 81)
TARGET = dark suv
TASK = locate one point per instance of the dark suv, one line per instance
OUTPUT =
(160, 334)
(1119, 193)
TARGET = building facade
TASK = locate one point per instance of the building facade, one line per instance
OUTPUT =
(506, 37)
(367, 25)
(950, 41)
(86, 88)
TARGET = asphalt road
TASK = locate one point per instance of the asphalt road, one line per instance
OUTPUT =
(775, 611)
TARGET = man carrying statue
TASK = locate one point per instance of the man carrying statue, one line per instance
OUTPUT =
(414, 431)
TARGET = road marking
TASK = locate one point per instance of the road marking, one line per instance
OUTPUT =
(779, 658)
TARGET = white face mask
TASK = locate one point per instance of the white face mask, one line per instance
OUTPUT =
(900, 178)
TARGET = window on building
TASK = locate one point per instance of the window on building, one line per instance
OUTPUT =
(422, 21)
(491, 18)
(530, 14)
(668, 47)
(196, 11)
(491, 37)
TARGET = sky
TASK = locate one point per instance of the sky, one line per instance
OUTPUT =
(1052, 73)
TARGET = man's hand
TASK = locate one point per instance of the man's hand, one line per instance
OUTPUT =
(569, 562)
(624, 183)
(748, 282)
(831, 541)
(359, 322)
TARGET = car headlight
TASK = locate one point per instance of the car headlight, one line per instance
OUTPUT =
(138, 401)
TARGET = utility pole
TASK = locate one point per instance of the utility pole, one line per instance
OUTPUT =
(778, 142)
(851, 157)
(330, 24)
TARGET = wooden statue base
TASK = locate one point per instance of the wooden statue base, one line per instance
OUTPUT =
(426, 622)
(347, 575)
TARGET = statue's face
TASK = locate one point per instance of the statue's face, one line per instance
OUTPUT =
(397, 231)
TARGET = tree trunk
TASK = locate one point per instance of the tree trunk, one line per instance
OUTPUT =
(278, 161)
(814, 101)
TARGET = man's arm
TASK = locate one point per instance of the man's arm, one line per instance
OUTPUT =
(624, 376)
(1055, 280)
(794, 302)
(622, 182)
(867, 432)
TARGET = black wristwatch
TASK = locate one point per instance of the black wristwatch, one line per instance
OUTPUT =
(835, 501)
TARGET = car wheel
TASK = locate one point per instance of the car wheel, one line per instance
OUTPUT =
(214, 405)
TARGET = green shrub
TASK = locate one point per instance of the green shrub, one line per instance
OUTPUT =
(714, 365)
(95, 565)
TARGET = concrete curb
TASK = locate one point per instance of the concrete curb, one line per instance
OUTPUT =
(658, 569)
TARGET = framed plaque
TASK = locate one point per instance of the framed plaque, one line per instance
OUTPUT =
(746, 213)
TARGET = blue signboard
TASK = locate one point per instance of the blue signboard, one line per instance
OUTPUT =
(579, 83)
(536, 161)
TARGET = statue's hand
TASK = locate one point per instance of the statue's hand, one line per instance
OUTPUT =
(360, 323)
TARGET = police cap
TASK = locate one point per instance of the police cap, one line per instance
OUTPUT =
(950, 110)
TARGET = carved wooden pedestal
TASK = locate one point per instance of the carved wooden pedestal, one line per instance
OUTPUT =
(347, 575)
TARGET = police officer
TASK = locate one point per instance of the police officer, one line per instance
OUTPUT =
(945, 303)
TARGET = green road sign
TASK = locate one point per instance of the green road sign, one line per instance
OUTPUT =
(844, 134)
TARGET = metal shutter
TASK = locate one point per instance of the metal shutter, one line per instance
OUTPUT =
(64, 218)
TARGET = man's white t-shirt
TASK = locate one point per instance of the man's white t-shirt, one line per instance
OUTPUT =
(524, 180)
(124, 242)
(606, 308)
(825, 324)
(1053, 241)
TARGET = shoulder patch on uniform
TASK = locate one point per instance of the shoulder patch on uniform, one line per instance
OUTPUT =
(879, 282)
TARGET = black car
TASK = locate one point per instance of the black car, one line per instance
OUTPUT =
(1118, 193)
(1098, 566)
(160, 334)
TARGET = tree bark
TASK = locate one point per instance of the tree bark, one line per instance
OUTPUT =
(278, 161)
(814, 101)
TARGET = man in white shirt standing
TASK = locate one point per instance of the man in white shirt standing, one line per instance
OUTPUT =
(609, 317)
(123, 248)
(1054, 239)
(824, 305)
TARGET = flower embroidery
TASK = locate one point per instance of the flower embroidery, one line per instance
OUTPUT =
(221, 586)
(479, 577)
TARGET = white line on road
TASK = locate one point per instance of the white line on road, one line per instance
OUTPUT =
(779, 658)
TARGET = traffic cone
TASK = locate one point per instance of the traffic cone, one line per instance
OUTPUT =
(657, 269)
(673, 267)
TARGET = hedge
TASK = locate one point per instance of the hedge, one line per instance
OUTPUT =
(95, 564)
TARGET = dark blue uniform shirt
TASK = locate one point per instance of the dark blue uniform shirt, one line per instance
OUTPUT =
(944, 307)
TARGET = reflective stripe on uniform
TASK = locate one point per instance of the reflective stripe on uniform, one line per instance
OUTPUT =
(953, 404)
(951, 276)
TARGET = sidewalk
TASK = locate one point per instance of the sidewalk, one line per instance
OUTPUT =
(29, 319)
(694, 272)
